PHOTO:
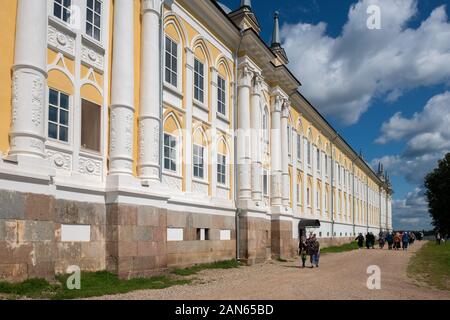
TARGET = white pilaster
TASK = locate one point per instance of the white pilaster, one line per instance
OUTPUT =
(29, 81)
(150, 94)
(122, 90)
(285, 153)
(189, 112)
(214, 136)
(256, 139)
(275, 152)
(243, 134)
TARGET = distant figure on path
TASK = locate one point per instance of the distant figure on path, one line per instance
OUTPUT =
(438, 239)
(405, 241)
(397, 241)
(315, 252)
(382, 240)
(360, 239)
(302, 250)
(390, 240)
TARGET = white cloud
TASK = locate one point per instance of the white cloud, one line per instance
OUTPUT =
(426, 135)
(411, 213)
(343, 75)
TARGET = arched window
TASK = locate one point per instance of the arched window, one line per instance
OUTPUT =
(172, 141)
(199, 154)
(222, 163)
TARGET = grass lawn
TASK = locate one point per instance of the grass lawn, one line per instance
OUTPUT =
(93, 284)
(231, 264)
(343, 248)
(431, 265)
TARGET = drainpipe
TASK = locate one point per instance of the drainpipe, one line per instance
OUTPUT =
(235, 171)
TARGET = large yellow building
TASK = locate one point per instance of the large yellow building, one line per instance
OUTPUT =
(139, 135)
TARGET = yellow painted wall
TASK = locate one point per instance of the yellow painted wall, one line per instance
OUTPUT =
(7, 36)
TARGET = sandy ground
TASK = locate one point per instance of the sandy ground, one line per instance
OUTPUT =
(340, 276)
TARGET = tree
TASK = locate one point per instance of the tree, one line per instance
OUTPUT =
(437, 184)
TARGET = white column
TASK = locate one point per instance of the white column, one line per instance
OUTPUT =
(150, 94)
(189, 94)
(275, 152)
(29, 80)
(294, 172)
(285, 154)
(243, 149)
(256, 139)
(214, 136)
(122, 90)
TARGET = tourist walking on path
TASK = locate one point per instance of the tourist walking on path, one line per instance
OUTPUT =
(438, 239)
(397, 241)
(315, 246)
(405, 241)
(360, 239)
(382, 240)
(302, 250)
(390, 240)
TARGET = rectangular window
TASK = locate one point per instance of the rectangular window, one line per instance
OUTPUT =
(199, 166)
(93, 19)
(265, 183)
(309, 154)
(171, 58)
(91, 119)
(202, 234)
(299, 147)
(318, 160)
(199, 81)
(61, 9)
(221, 96)
(170, 152)
(326, 165)
(308, 197)
(221, 169)
(299, 194)
(58, 116)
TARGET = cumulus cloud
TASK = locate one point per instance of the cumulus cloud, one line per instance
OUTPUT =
(426, 135)
(343, 75)
(411, 213)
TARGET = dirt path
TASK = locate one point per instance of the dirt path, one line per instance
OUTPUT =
(340, 276)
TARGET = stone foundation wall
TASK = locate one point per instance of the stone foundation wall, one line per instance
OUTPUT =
(30, 236)
(282, 240)
(255, 240)
(191, 250)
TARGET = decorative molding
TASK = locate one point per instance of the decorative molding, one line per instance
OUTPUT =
(60, 160)
(90, 166)
(92, 58)
(61, 40)
(173, 183)
(201, 188)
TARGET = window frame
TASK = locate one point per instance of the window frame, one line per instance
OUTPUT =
(175, 151)
(222, 92)
(93, 26)
(173, 74)
(58, 121)
(201, 77)
(222, 173)
(63, 8)
(100, 127)
(266, 183)
(198, 162)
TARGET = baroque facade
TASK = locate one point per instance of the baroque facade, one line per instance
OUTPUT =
(140, 135)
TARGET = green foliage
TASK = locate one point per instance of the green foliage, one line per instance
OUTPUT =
(337, 249)
(431, 265)
(93, 284)
(231, 264)
(437, 184)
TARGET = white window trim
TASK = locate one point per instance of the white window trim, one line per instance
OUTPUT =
(56, 142)
(220, 114)
(102, 15)
(178, 153)
(177, 88)
(205, 163)
(226, 184)
(205, 84)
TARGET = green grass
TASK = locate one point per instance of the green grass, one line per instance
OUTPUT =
(431, 265)
(93, 284)
(231, 264)
(343, 248)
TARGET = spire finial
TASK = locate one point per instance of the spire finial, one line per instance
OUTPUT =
(246, 3)
(276, 30)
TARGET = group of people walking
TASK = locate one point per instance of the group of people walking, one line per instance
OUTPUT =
(309, 247)
(395, 241)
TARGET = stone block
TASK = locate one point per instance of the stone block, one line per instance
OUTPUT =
(68, 251)
(12, 205)
(39, 207)
(126, 233)
(177, 220)
(148, 216)
(94, 250)
(42, 270)
(143, 233)
(127, 249)
(8, 230)
(31, 231)
(144, 263)
(15, 272)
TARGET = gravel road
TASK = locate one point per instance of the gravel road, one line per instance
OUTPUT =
(340, 276)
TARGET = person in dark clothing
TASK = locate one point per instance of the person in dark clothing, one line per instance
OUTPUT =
(302, 251)
(390, 240)
(360, 239)
(368, 240)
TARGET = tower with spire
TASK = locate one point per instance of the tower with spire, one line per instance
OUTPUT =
(245, 18)
(276, 47)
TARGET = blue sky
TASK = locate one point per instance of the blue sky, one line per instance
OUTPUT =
(386, 91)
